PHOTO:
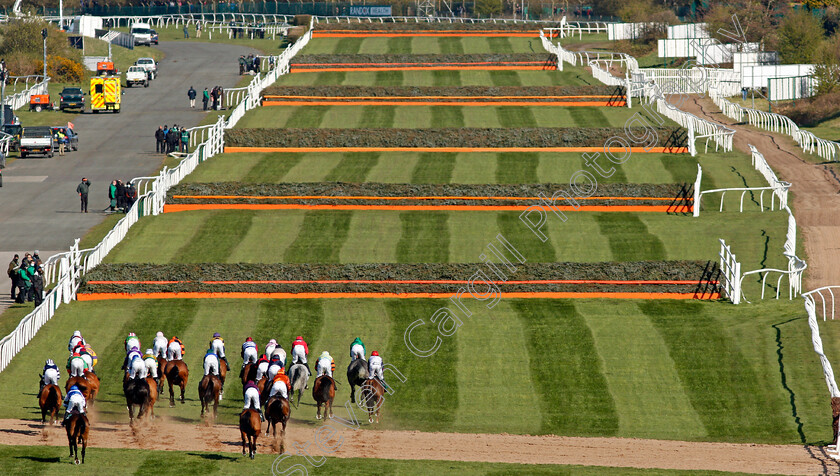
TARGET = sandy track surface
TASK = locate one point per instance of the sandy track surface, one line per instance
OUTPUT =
(815, 190)
(414, 445)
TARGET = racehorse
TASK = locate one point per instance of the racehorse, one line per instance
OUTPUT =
(93, 382)
(177, 373)
(357, 373)
(249, 428)
(78, 428)
(249, 372)
(209, 389)
(277, 410)
(298, 376)
(50, 401)
(136, 393)
(223, 370)
(82, 383)
(372, 397)
(161, 360)
(153, 394)
(324, 392)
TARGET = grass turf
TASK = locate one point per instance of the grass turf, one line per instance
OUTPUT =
(423, 45)
(605, 368)
(43, 460)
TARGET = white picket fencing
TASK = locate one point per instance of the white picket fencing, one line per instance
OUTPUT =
(65, 270)
(730, 272)
(18, 100)
(826, 149)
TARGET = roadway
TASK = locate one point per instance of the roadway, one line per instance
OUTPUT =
(39, 206)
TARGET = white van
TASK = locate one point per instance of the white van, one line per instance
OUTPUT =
(142, 34)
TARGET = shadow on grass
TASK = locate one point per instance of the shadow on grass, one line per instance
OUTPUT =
(213, 457)
(39, 459)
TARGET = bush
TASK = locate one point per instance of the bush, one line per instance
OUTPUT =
(302, 20)
(799, 38)
(65, 70)
(812, 111)
(22, 46)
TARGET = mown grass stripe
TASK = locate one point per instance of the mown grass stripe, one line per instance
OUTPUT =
(574, 398)
(447, 116)
(372, 238)
(285, 319)
(270, 236)
(217, 237)
(378, 116)
(534, 250)
(320, 238)
(492, 340)
(354, 167)
(643, 381)
(505, 78)
(434, 168)
(512, 116)
(428, 400)
(475, 168)
(272, 168)
(425, 238)
(450, 45)
(517, 168)
(629, 237)
(157, 239)
(446, 78)
(308, 117)
(388, 78)
(328, 77)
(399, 45)
(725, 392)
(348, 46)
(499, 45)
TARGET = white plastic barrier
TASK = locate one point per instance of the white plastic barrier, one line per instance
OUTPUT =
(627, 31)
(688, 30)
(18, 100)
(757, 76)
(753, 58)
(797, 87)
(66, 270)
(730, 271)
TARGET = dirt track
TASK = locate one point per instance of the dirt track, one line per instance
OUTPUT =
(413, 445)
(815, 190)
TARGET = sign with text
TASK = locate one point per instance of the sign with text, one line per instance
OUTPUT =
(370, 11)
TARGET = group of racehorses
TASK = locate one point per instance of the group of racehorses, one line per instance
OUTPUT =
(143, 393)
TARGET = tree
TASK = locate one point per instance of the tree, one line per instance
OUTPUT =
(827, 67)
(799, 37)
(488, 8)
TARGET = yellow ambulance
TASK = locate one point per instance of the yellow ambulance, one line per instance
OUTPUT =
(105, 94)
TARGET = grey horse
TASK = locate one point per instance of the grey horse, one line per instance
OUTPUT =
(357, 373)
(299, 377)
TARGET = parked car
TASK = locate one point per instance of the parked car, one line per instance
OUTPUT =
(13, 130)
(154, 37)
(71, 98)
(36, 140)
(136, 75)
(149, 64)
(73, 138)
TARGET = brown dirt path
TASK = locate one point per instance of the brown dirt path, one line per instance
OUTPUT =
(815, 188)
(414, 445)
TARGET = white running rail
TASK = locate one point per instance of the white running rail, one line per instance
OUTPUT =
(65, 270)
(18, 100)
(730, 271)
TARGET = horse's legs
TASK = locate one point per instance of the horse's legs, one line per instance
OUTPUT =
(183, 389)
(130, 412)
(171, 394)
(84, 447)
(329, 403)
(318, 414)
(243, 441)
(352, 393)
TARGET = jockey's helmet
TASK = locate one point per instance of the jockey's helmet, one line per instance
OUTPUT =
(374, 354)
(159, 334)
(49, 362)
(74, 387)
(77, 334)
(272, 341)
(249, 340)
(216, 334)
(299, 338)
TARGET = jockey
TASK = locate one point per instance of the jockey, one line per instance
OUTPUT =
(134, 352)
(249, 352)
(325, 365)
(252, 398)
(137, 367)
(375, 367)
(262, 366)
(299, 352)
(218, 346)
(280, 384)
(74, 401)
(159, 345)
(274, 366)
(175, 349)
(51, 374)
(357, 349)
(211, 362)
(76, 365)
(77, 337)
(280, 354)
(151, 363)
(269, 348)
(83, 352)
(131, 341)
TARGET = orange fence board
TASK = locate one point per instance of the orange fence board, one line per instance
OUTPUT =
(297, 69)
(362, 197)
(448, 103)
(179, 207)
(651, 150)
(511, 295)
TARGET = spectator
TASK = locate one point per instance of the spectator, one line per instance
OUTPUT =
(242, 63)
(38, 286)
(221, 94)
(120, 195)
(206, 98)
(198, 29)
(12, 272)
(257, 64)
(24, 282)
(171, 139)
(112, 195)
(82, 189)
(185, 141)
(160, 137)
(270, 63)
(62, 141)
(191, 94)
(130, 196)
(186, 32)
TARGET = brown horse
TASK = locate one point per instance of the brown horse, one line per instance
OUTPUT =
(50, 402)
(161, 375)
(249, 428)
(93, 382)
(324, 392)
(78, 428)
(153, 394)
(277, 410)
(372, 397)
(82, 383)
(209, 389)
(176, 373)
(248, 372)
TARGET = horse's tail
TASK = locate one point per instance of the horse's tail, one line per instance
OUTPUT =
(209, 395)
(54, 396)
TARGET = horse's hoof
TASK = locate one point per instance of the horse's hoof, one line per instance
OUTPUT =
(77, 461)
